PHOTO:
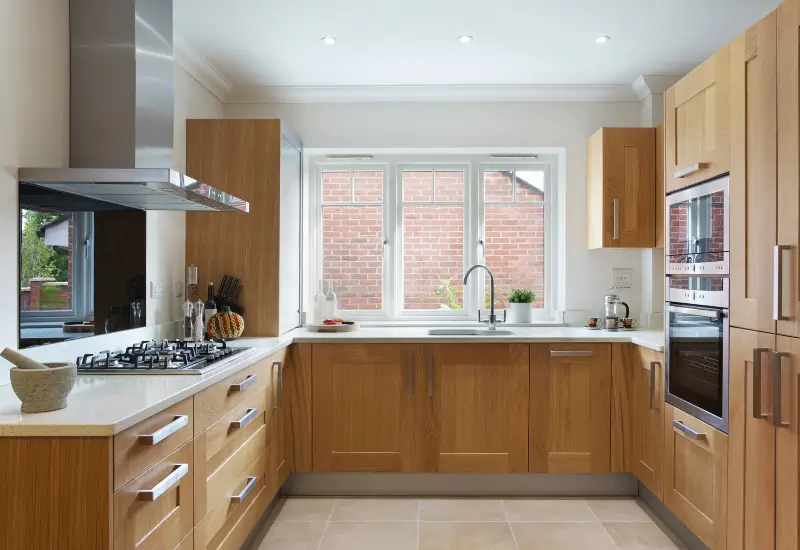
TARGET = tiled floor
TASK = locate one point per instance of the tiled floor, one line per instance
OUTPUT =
(465, 524)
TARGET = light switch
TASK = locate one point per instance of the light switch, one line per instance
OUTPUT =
(623, 278)
(156, 289)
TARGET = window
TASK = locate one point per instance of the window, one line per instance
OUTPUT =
(395, 234)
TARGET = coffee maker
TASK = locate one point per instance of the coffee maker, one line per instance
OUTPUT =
(612, 316)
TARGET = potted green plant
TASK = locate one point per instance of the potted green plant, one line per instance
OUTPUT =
(520, 309)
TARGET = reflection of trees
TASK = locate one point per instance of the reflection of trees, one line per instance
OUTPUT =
(38, 259)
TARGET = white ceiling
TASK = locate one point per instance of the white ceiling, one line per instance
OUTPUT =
(414, 42)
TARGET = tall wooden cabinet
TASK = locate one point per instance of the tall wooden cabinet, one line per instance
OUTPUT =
(786, 370)
(570, 418)
(621, 188)
(261, 161)
(696, 119)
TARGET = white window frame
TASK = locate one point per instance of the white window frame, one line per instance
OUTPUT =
(474, 162)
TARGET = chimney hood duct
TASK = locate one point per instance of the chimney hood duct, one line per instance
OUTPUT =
(122, 112)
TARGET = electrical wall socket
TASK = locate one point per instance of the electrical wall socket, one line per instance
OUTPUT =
(156, 289)
(622, 278)
(178, 289)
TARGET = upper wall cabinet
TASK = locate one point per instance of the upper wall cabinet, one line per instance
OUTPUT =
(697, 118)
(621, 184)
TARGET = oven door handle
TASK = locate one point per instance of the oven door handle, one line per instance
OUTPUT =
(710, 313)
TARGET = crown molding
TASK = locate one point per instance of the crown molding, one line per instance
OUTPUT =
(201, 70)
(647, 85)
(429, 94)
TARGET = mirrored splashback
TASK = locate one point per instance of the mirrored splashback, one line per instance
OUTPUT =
(81, 267)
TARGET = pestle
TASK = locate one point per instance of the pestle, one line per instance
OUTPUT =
(20, 361)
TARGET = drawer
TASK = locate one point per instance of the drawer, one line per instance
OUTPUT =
(214, 403)
(156, 509)
(213, 486)
(140, 446)
(239, 526)
(239, 494)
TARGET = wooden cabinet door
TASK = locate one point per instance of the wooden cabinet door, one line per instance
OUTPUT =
(364, 397)
(696, 120)
(753, 179)
(751, 443)
(660, 190)
(786, 366)
(279, 463)
(477, 408)
(696, 475)
(788, 293)
(648, 419)
(570, 421)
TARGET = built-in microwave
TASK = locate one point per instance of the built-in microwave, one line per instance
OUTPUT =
(697, 230)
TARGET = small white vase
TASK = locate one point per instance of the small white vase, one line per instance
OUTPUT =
(520, 313)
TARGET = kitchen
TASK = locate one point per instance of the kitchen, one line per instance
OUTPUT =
(685, 424)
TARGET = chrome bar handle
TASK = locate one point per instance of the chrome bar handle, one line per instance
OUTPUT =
(161, 434)
(777, 390)
(653, 385)
(571, 353)
(757, 414)
(251, 482)
(616, 219)
(777, 293)
(689, 170)
(430, 374)
(410, 374)
(241, 386)
(151, 495)
(280, 383)
(246, 419)
(687, 431)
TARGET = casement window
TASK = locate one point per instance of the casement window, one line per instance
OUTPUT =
(395, 234)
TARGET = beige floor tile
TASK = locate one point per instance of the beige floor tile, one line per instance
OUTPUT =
(619, 509)
(305, 509)
(465, 536)
(375, 509)
(370, 536)
(293, 536)
(639, 536)
(562, 536)
(461, 510)
(563, 509)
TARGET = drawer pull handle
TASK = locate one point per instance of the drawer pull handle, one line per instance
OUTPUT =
(757, 414)
(777, 292)
(430, 374)
(246, 419)
(410, 392)
(689, 170)
(165, 484)
(160, 435)
(687, 431)
(653, 369)
(241, 386)
(251, 482)
(572, 353)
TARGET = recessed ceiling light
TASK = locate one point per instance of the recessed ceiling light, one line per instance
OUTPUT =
(465, 39)
(329, 40)
(602, 39)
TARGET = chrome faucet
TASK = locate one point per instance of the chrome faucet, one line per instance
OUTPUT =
(492, 316)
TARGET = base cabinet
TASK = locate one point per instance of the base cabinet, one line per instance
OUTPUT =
(648, 419)
(786, 366)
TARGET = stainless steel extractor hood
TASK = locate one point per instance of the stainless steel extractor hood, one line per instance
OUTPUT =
(122, 113)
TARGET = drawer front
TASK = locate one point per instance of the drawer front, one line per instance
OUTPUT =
(141, 446)
(214, 482)
(238, 527)
(238, 496)
(156, 510)
(214, 403)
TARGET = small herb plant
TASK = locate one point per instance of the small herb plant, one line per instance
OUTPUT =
(521, 296)
(450, 295)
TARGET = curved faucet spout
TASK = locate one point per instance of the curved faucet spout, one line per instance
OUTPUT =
(492, 316)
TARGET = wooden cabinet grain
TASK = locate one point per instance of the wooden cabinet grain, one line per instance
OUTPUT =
(279, 463)
(786, 370)
(696, 119)
(570, 408)
(621, 188)
(648, 413)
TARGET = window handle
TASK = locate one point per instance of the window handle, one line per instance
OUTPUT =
(385, 241)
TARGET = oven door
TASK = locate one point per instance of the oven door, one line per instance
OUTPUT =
(697, 362)
(697, 229)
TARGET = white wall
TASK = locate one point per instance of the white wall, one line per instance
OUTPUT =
(375, 125)
(34, 123)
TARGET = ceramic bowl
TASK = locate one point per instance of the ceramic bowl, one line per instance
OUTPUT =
(42, 390)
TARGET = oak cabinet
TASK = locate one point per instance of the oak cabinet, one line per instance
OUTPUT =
(570, 412)
(696, 120)
(279, 450)
(696, 475)
(364, 405)
(753, 178)
(476, 408)
(786, 368)
(660, 186)
(621, 188)
(648, 419)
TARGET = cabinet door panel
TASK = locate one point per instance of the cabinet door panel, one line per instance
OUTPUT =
(648, 406)
(478, 408)
(570, 422)
(363, 409)
(751, 443)
(753, 181)
(787, 445)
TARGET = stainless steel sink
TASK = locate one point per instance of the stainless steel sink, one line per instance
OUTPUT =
(468, 332)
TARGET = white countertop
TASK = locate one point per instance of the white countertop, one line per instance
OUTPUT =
(104, 405)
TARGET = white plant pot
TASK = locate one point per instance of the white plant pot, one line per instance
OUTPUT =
(520, 313)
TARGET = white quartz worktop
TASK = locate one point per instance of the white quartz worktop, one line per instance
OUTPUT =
(104, 405)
